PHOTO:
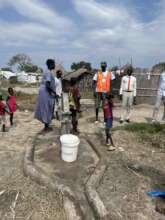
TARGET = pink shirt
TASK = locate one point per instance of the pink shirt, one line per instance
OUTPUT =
(12, 104)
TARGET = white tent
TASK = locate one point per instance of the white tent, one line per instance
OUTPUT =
(22, 76)
(7, 74)
(27, 77)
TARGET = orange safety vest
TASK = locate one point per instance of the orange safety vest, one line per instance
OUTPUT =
(103, 83)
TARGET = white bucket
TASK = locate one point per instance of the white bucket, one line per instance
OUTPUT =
(69, 144)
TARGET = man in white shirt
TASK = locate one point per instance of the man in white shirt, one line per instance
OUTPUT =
(160, 97)
(102, 86)
(127, 94)
(58, 84)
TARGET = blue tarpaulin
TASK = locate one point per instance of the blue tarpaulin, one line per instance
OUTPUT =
(156, 193)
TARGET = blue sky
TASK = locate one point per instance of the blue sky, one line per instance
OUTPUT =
(91, 30)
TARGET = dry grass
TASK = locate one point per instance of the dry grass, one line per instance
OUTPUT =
(26, 101)
(149, 133)
(20, 198)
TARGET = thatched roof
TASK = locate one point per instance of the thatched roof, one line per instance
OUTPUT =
(60, 67)
(76, 74)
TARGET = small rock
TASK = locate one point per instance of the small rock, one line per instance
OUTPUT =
(121, 149)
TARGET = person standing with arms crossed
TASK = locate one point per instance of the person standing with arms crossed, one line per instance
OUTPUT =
(102, 87)
(127, 94)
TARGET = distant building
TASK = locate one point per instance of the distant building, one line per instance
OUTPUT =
(21, 76)
(5, 75)
(29, 77)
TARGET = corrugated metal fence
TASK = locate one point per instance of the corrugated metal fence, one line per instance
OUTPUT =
(147, 86)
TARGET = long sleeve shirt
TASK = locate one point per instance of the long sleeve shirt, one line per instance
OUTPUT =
(161, 89)
(128, 84)
(58, 85)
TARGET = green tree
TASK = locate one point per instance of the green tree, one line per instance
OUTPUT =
(160, 67)
(30, 68)
(6, 69)
(81, 64)
(114, 68)
(20, 61)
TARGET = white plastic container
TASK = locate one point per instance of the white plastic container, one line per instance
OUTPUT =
(69, 147)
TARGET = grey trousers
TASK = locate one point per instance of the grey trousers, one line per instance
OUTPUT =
(127, 104)
(159, 100)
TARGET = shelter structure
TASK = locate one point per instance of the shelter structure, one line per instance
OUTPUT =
(61, 68)
(83, 77)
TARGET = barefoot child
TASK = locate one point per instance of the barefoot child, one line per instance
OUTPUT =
(74, 103)
(2, 113)
(11, 103)
(108, 113)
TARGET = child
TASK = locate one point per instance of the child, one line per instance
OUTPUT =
(74, 103)
(11, 103)
(2, 113)
(108, 113)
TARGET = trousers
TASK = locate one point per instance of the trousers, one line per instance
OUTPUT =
(127, 103)
(159, 100)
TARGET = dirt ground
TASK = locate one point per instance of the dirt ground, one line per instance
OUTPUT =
(134, 168)
(21, 198)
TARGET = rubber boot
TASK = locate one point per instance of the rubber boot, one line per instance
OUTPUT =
(11, 119)
(3, 128)
(97, 115)
(75, 125)
(46, 128)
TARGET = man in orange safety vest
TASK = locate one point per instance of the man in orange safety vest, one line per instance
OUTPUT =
(102, 86)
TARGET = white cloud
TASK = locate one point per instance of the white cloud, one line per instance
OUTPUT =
(113, 30)
(100, 31)
(37, 10)
(102, 14)
(44, 27)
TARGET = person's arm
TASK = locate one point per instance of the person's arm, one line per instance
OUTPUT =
(113, 77)
(134, 91)
(94, 84)
(134, 88)
(49, 79)
(7, 99)
(121, 89)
